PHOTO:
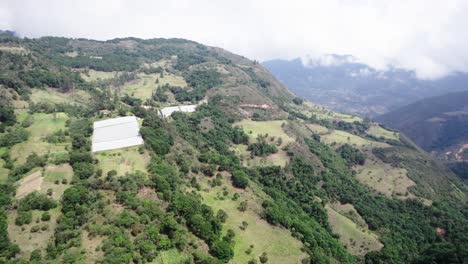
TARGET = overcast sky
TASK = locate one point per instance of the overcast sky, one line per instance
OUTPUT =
(428, 36)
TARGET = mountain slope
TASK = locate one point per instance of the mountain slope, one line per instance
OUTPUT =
(253, 175)
(438, 124)
(342, 84)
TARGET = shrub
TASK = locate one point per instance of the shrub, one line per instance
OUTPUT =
(83, 170)
(112, 173)
(36, 201)
(222, 250)
(23, 218)
(45, 216)
(239, 179)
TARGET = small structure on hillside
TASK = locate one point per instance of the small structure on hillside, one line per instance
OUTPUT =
(167, 111)
(116, 133)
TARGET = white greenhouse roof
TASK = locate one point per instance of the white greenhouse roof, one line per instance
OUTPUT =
(116, 133)
(167, 111)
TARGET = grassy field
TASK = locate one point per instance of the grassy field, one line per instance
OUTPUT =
(3, 171)
(93, 75)
(27, 240)
(43, 125)
(15, 50)
(317, 129)
(89, 245)
(378, 131)
(357, 240)
(145, 85)
(272, 128)
(52, 96)
(277, 242)
(341, 137)
(53, 174)
(278, 159)
(171, 256)
(384, 179)
(274, 131)
(122, 160)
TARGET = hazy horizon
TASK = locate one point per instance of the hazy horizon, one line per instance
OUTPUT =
(427, 37)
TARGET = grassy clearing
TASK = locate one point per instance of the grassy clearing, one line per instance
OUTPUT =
(15, 50)
(341, 137)
(49, 95)
(272, 128)
(384, 179)
(3, 171)
(89, 245)
(27, 240)
(124, 160)
(44, 125)
(346, 117)
(277, 159)
(42, 180)
(357, 240)
(145, 85)
(171, 256)
(317, 129)
(277, 242)
(378, 131)
(309, 109)
(93, 75)
(53, 177)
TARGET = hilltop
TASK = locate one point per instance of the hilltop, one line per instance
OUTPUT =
(254, 174)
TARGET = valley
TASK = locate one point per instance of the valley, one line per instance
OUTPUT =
(252, 174)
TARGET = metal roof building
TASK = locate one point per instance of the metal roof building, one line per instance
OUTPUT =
(116, 133)
(167, 111)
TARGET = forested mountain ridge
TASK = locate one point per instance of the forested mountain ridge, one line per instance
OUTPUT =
(438, 124)
(343, 84)
(255, 174)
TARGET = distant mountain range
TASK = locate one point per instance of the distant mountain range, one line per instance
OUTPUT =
(437, 124)
(341, 83)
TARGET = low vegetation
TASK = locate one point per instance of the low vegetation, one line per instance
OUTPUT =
(295, 190)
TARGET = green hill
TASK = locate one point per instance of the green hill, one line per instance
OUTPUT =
(254, 175)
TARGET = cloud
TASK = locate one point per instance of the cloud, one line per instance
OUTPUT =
(428, 36)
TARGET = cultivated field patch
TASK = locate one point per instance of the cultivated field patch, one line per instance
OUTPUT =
(29, 184)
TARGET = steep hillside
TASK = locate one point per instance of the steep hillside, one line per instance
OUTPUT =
(253, 175)
(439, 125)
(342, 84)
